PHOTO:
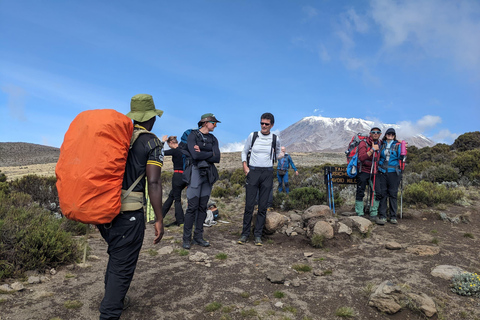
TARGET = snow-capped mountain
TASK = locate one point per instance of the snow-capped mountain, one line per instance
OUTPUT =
(333, 134)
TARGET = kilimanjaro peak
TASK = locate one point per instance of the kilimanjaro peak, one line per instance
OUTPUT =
(316, 133)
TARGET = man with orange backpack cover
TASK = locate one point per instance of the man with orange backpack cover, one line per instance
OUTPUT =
(124, 235)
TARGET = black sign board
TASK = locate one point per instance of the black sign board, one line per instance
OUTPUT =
(339, 175)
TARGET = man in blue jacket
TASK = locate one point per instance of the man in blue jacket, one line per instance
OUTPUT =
(282, 171)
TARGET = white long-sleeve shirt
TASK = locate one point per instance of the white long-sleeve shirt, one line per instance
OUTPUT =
(261, 155)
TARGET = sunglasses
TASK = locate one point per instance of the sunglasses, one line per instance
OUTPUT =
(213, 122)
(375, 132)
(264, 124)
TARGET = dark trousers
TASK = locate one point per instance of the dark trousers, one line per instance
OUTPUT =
(198, 193)
(387, 186)
(124, 236)
(283, 180)
(175, 194)
(362, 180)
(259, 180)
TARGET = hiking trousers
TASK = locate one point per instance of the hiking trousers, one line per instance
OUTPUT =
(387, 186)
(198, 193)
(259, 180)
(283, 180)
(175, 195)
(124, 236)
(362, 180)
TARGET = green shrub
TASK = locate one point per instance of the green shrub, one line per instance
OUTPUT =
(74, 227)
(441, 173)
(3, 177)
(302, 198)
(467, 141)
(466, 284)
(238, 177)
(429, 193)
(42, 189)
(317, 241)
(30, 237)
(302, 267)
(214, 306)
(467, 162)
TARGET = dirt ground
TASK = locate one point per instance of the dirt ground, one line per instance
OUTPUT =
(170, 286)
(344, 271)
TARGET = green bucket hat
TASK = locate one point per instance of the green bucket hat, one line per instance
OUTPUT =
(142, 108)
(207, 117)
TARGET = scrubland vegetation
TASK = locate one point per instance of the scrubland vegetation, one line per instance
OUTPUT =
(34, 236)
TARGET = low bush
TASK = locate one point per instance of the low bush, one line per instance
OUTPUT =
(466, 284)
(42, 190)
(441, 173)
(429, 193)
(467, 141)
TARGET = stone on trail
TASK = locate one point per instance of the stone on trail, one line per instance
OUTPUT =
(275, 276)
(423, 250)
(317, 211)
(392, 245)
(274, 221)
(165, 250)
(446, 272)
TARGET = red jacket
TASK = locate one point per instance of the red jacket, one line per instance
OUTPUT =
(363, 157)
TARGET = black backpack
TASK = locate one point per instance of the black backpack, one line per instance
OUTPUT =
(273, 154)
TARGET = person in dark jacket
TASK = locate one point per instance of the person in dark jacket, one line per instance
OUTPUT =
(177, 181)
(389, 176)
(200, 176)
(367, 155)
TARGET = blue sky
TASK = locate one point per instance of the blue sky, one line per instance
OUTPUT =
(413, 63)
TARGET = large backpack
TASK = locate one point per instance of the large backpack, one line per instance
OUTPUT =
(91, 165)
(354, 166)
(273, 154)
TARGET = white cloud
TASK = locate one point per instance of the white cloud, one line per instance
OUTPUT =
(323, 53)
(445, 136)
(233, 147)
(408, 128)
(16, 101)
(447, 29)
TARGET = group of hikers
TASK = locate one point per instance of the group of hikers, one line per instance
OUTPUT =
(124, 235)
(380, 164)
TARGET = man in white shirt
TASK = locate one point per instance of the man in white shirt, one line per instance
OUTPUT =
(261, 150)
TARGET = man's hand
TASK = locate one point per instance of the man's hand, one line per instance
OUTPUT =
(375, 147)
(159, 231)
(246, 169)
(296, 173)
(196, 148)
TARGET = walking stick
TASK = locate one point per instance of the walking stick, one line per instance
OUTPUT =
(327, 185)
(370, 191)
(331, 192)
(374, 178)
(401, 190)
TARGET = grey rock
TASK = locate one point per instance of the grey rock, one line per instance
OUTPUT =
(279, 304)
(386, 298)
(198, 257)
(296, 217)
(446, 272)
(343, 228)
(361, 224)
(317, 211)
(165, 250)
(275, 276)
(17, 286)
(274, 221)
(424, 303)
(33, 280)
(296, 282)
(6, 288)
(348, 214)
(392, 245)
(322, 228)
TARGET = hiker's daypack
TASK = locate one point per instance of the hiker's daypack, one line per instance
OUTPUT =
(398, 147)
(352, 155)
(91, 166)
(187, 158)
(273, 154)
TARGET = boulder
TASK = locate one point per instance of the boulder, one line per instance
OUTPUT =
(386, 298)
(275, 276)
(361, 224)
(317, 211)
(424, 303)
(274, 221)
(446, 272)
(322, 228)
(343, 228)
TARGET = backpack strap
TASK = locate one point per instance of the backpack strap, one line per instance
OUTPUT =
(255, 136)
(274, 148)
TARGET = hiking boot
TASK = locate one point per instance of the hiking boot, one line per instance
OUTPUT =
(201, 242)
(373, 218)
(174, 223)
(126, 302)
(242, 240)
(380, 221)
(393, 221)
(186, 245)
(258, 241)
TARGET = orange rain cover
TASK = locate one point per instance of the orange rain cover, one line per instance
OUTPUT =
(91, 165)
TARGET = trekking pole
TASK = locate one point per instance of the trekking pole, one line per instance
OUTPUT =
(401, 190)
(370, 191)
(374, 165)
(327, 180)
(331, 192)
